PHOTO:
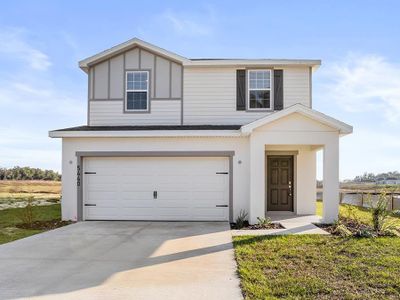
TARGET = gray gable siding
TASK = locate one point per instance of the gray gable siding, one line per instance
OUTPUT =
(107, 88)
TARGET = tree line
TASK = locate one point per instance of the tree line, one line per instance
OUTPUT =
(371, 177)
(28, 173)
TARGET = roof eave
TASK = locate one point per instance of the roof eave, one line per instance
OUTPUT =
(132, 43)
(145, 133)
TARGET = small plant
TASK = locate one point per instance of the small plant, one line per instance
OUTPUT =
(342, 230)
(241, 219)
(27, 214)
(364, 233)
(263, 222)
(380, 211)
(351, 214)
(396, 213)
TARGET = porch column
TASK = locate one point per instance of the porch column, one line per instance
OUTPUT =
(257, 179)
(331, 181)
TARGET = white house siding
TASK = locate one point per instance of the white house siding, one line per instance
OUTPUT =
(71, 145)
(296, 86)
(111, 113)
(210, 95)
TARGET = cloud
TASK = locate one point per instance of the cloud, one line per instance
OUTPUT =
(361, 83)
(191, 24)
(14, 45)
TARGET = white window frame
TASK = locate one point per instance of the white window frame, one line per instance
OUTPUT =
(134, 90)
(271, 82)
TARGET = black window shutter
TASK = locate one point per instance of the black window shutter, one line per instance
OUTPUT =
(278, 89)
(240, 89)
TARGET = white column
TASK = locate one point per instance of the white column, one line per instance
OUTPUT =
(257, 179)
(331, 181)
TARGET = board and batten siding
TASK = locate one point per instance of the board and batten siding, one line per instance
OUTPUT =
(106, 93)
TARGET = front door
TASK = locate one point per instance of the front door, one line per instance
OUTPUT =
(279, 183)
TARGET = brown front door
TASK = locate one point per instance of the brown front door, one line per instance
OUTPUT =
(279, 183)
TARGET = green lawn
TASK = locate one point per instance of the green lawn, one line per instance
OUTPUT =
(318, 267)
(350, 211)
(10, 217)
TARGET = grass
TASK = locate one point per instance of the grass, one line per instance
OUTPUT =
(9, 218)
(20, 190)
(350, 211)
(318, 267)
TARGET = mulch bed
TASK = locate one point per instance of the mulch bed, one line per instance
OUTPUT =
(258, 227)
(357, 229)
(44, 225)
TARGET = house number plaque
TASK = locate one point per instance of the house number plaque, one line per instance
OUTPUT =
(78, 175)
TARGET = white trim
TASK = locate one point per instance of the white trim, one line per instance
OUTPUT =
(251, 63)
(85, 63)
(134, 90)
(342, 127)
(146, 133)
(265, 89)
(94, 59)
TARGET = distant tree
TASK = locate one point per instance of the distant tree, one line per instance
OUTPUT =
(371, 177)
(28, 173)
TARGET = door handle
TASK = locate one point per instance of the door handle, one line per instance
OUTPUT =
(222, 205)
(155, 194)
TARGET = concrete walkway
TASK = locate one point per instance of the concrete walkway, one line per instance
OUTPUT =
(293, 225)
(122, 260)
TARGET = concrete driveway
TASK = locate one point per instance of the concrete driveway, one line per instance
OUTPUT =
(122, 260)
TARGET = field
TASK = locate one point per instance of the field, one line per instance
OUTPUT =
(16, 193)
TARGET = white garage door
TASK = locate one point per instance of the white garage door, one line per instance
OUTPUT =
(156, 188)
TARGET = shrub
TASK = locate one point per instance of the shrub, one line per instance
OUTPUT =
(27, 215)
(396, 213)
(380, 211)
(263, 221)
(241, 219)
(342, 230)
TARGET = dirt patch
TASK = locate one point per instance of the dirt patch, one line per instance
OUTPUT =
(44, 225)
(258, 226)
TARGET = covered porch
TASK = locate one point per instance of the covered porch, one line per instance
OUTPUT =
(283, 150)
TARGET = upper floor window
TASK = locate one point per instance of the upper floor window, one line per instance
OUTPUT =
(137, 90)
(259, 89)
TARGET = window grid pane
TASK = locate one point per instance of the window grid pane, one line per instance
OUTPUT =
(137, 90)
(259, 89)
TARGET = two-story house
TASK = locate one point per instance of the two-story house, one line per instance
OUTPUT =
(172, 138)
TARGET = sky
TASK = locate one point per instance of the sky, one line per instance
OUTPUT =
(42, 88)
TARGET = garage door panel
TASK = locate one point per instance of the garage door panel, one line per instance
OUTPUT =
(174, 213)
(188, 188)
(100, 196)
(136, 203)
(173, 195)
(100, 187)
(137, 195)
(136, 186)
(140, 213)
(138, 179)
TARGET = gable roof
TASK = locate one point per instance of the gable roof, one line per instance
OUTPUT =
(342, 127)
(135, 42)
(132, 43)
